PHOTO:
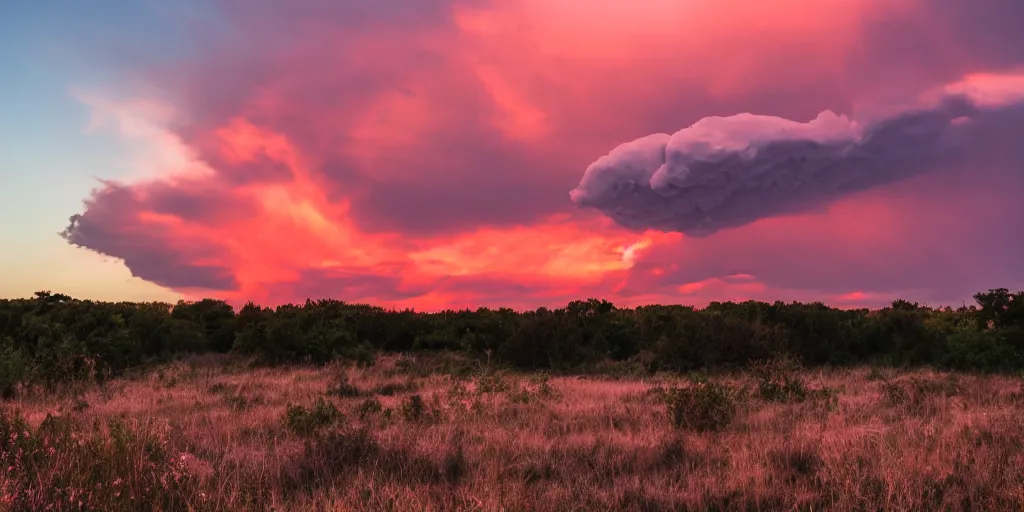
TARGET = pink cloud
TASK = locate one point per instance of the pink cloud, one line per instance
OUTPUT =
(420, 153)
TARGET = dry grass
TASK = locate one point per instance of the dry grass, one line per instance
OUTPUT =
(407, 440)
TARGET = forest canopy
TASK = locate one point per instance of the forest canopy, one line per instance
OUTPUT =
(52, 338)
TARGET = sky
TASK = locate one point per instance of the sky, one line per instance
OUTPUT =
(425, 153)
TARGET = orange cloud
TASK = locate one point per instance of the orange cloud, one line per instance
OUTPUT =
(423, 157)
(294, 228)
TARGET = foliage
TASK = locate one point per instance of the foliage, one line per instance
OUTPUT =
(369, 407)
(306, 421)
(394, 388)
(777, 380)
(53, 340)
(341, 387)
(916, 394)
(705, 406)
(413, 408)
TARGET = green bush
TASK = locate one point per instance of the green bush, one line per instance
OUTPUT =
(413, 408)
(705, 406)
(915, 393)
(327, 456)
(394, 388)
(239, 403)
(369, 407)
(777, 380)
(492, 382)
(307, 421)
(15, 368)
(341, 387)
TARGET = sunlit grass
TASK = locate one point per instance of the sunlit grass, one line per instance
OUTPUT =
(229, 438)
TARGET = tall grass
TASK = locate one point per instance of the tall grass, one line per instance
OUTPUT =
(395, 437)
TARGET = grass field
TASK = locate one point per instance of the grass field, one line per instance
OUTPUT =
(214, 434)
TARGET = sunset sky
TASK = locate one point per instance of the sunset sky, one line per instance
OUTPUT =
(421, 153)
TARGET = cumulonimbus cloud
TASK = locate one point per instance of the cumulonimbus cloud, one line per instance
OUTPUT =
(724, 172)
(417, 154)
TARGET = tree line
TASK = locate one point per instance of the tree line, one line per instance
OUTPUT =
(51, 338)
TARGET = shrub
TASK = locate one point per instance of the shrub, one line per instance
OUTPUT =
(369, 407)
(238, 403)
(893, 393)
(425, 363)
(341, 387)
(519, 393)
(702, 407)
(947, 386)
(454, 466)
(875, 374)
(413, 408)
(79, 404)
(492, 383)
(777, 381)
(328, 456)
(14, 369)
(394, 388)
(796, 463)
(914, 393)
(305, 421)
(544, 387)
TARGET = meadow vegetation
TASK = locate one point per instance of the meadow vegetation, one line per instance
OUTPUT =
(493, 439)
(330, 406)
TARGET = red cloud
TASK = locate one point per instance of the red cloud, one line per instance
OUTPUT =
(420, 153)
